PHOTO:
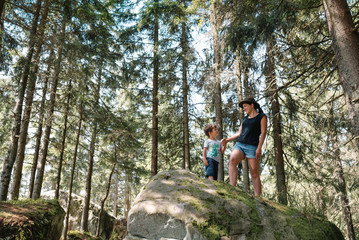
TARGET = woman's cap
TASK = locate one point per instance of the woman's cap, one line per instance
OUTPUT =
(249, 100)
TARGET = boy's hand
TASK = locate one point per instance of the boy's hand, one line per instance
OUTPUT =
(224, 141)
(205, 162)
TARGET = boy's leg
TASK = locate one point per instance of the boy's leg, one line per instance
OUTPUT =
(210, 169)
(215, 170)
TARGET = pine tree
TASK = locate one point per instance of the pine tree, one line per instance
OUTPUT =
(64, 231)
(30, 90)
(40, 124)
(11, 156)
(154, 156)
(184, 45)
(50, 113)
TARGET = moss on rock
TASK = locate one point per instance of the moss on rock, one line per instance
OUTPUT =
(30, 219)
(178, 204)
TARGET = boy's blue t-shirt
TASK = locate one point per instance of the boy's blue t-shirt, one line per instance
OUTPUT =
(213, 149)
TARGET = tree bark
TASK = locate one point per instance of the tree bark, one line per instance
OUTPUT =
(46, 137)
(85, 212)
(63, 141)
(272, 95)
(346, 49)
(2, 10)
(247, 93)
(68, 207)
(186, 149)
(154, 155)
(2, 7)
(238, 73)
(104, 200)
(30, 90)
(216, 22)
(11, 156)
(127, 197)
(115, 196)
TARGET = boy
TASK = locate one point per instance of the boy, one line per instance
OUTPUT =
(212, 151)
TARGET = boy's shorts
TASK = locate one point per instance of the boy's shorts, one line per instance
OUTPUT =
(212, 168)
(248, 150)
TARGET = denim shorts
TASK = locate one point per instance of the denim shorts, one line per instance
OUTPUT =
(212, 168)
(248, 150)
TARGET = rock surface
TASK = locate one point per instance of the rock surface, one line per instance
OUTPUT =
(29, 219)
(180, 205)
(76, 207)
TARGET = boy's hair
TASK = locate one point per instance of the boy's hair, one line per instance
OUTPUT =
(207, 129)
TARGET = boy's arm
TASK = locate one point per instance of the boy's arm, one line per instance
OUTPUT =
(205, 156)
(223, 148)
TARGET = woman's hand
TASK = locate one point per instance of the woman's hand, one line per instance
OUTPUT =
(224, 141)
(258, 153)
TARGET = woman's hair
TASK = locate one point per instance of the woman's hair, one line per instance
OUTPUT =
(258, 108)
(207, 129)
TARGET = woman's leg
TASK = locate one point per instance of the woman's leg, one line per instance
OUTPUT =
(254, 169)
(234, 159)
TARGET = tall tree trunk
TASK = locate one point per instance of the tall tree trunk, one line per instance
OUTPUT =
(46, 137)
(154, 156)
(39, 127)
(340, 184)
(247, 93)
(11, 156)
(115, 196)
(344, 199)
(184, 43)
(2, 11)
(85, 212)
(216, 23)
(238, 73)
(30, 90)
(127, 197)
(272, 95)
(63, 141)
(68, 207)
(104, 200)
(346, 50)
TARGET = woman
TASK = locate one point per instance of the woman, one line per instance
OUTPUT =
(249, 142)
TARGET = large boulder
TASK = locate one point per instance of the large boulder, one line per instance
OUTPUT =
(76, 207)
(180, 205)
(31, 220)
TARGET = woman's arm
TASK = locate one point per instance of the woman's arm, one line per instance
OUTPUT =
(262, 137)
(234, 137)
